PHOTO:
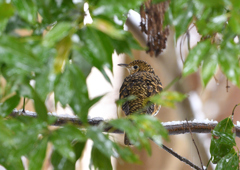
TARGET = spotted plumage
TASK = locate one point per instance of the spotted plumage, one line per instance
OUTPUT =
(141, 83)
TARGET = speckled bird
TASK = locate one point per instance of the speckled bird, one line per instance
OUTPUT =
(141, 83)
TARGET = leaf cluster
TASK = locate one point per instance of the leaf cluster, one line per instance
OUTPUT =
(219, 25)
(222, 146)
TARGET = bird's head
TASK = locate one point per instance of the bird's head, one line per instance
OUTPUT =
(137, 66)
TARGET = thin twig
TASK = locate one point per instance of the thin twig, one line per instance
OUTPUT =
(182, 41)
(23, 110)
(234, 110)
(181, 50)
(195, 145)
(180, 157)
(188, 38)
(227, 86)
(172, 82)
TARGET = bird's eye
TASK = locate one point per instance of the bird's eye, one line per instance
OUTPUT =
(135, 67)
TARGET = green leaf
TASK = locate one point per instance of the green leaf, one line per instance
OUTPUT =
(157, 1)
(108, 28)
(62, 140)
(6, 10)
(109, 148)
(38, 154)
(63, 91)
(126, 154)
(229, 161)
(61, 163)
(182, 12)
(80, 97)
(167, 98)
(223, 140)
(39, 106)
(114, 7)
(63, 49)
(58, 32)
(209, 65)
(78, 148)
(234, 21)
(229, 62)
(211, 20)
(99, 160)
(97, 50)
(195, 56)
(8, 105)
(27, 10)
(18, 54)
(120, 102)
(80, 61)
(139, 128)
(131, 130)
(101, 141)
(3, 25)
(44, 83)
(53, 11)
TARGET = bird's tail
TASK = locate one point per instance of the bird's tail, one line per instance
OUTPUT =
(126, 140)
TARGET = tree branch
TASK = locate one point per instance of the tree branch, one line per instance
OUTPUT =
(174, 127)
(176, 155)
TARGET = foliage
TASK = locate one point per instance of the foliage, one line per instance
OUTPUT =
(222, 143)
(58, 52)
(218, 23)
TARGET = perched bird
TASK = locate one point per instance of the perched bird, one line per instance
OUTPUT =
(141, 83)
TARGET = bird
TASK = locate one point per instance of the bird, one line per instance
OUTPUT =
(142, 83)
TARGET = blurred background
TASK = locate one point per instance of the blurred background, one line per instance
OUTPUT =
(213, 102)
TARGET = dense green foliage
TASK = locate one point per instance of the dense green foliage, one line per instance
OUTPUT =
(59, 52)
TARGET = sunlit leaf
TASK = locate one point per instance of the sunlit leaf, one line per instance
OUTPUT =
(58, 32)
(6, 11)
(167, 98)
(122, 101)
(63, 49)
(107, 28)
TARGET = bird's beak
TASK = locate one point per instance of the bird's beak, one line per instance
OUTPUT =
(123, 65)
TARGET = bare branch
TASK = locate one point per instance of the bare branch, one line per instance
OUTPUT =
(180, 157)
(174, 127)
